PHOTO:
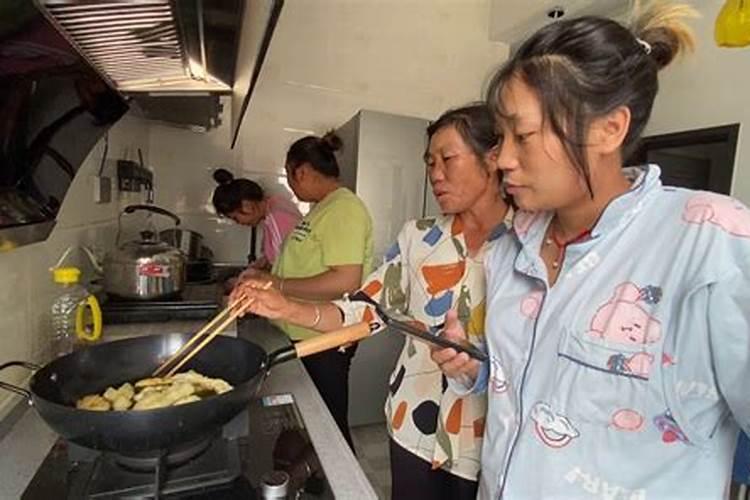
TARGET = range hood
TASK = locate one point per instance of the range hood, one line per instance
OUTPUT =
(184, 50)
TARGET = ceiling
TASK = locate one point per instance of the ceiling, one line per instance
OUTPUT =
(512, 20)
(330, 58)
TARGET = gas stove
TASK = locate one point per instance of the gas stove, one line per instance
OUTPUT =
(196, 301)
(263, 448)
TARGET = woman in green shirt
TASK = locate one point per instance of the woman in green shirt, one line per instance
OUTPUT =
(327, 254)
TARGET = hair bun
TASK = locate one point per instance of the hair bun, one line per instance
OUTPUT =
(223, 176)
(332, 141)
(662, 25)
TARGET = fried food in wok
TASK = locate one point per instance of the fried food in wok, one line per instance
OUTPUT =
(155, 392)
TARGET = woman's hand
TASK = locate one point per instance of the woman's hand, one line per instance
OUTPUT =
(261, 299)
(258, 275)
(452, 363)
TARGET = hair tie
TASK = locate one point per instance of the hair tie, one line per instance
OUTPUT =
(646, 46)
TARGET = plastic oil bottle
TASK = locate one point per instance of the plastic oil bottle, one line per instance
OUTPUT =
(76, 315)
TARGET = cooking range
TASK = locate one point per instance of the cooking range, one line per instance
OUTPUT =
(196, 301)
(244, 461)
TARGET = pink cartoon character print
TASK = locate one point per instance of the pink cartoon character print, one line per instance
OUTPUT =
(552, 429)
(623, 320)
(722, 211)
(670, 431)
(498, 380)
(531, 304)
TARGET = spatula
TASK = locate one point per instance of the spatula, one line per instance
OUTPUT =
(403, 327)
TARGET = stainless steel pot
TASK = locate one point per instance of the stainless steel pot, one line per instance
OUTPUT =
(147, 268)
(189, 242)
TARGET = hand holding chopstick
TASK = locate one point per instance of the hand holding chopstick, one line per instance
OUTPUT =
(237, 307)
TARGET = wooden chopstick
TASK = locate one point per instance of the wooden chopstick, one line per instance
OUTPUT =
(205, 341)
(195, 337)
(208, 337)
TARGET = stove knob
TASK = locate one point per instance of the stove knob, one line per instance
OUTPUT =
(274, 485)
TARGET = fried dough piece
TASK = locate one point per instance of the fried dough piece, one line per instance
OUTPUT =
(216, 385)
(161, 399)
(125, 391)
(93, 402)
(150, 382)
(122, 403)
(189, 399)
(148, 390)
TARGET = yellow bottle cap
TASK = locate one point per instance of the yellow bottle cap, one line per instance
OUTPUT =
(66, 275)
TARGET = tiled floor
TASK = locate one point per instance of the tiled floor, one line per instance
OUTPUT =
(371, 443)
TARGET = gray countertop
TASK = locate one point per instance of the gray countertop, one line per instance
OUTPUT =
(26, 443)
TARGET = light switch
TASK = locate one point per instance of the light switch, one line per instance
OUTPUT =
(102, 189)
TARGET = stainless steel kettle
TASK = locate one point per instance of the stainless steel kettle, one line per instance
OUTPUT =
(144, 269)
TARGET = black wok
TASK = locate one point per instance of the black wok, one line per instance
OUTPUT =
(55, 388)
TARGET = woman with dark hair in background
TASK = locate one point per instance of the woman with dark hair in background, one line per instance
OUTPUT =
(326, 256)
(434, 267)
(618, 310)
(245, 202)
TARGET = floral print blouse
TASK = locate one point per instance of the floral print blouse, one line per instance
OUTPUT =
(426, 273)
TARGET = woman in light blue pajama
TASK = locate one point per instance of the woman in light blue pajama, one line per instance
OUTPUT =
(618, 312)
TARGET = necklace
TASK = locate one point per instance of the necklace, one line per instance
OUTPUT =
(562, 245)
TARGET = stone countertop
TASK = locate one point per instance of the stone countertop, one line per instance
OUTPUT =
(25, 438)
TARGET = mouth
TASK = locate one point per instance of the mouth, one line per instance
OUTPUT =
(513, 188)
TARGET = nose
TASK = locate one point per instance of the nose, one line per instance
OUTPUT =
(507, 155)
(436, 172)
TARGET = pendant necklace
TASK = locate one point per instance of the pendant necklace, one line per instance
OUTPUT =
(562, 245)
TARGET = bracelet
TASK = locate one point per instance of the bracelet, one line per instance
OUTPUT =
(317, 316)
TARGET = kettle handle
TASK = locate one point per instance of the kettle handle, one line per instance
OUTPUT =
(151, 208)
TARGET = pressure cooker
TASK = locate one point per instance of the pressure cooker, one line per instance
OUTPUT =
(144, 269)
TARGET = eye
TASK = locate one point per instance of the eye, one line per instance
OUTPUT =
(523, 138)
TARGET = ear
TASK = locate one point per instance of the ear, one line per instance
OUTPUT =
(608, 132)
(300, 173)
(490, 158)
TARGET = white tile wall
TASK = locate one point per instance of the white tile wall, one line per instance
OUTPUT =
(27, 290)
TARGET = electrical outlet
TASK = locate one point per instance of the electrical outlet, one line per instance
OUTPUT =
(102, 189)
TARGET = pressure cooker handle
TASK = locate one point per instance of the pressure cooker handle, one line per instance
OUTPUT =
(150, 208)
(14, 388)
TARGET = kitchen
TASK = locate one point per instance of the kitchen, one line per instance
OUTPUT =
(325, 62)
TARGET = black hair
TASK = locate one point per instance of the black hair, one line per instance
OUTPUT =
(318, 152)
(230, 192)
(474, 123)
(586, 67)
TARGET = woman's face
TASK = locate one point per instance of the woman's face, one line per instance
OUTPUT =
(458, 177)
(249, 214)
(537, 172)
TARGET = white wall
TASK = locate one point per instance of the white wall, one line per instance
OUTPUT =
(27, 290)
(328, 59)
(706, 89)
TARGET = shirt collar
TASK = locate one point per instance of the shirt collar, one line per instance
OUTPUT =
(530, 227)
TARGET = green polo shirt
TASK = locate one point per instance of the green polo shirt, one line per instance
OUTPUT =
(336, 232)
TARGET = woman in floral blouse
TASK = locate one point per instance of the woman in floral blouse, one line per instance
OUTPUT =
(434, 268)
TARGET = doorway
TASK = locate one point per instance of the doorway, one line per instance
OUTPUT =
(695, 159)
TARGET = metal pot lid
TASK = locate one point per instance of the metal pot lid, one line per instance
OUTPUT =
(147, 247)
